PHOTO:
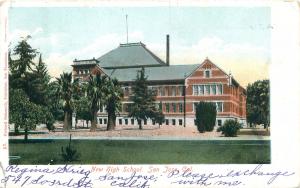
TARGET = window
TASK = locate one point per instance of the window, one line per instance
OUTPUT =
(219, 89)
(160, 106)
(194, 106)
(213, 89)
(126, 121)
(173, 121)
(219, 122)
(219, 106)
(173, 88)
(105, 121)
(162, 91)
(167, 122)
(124, 107)
(207, 89)
(154, 89)
(181, 90)
(167, 107)
(174, 107)
(120, 121)
(180, 107)
(180, 121)
(100, 121)
(201, 89)
(126, 91)
(132, 121)
(195, 90)
(207, 73)
(168, 88)
(145, 121)
(153, 122)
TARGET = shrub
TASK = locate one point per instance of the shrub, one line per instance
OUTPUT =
(205, 116)
(70, 153)
(230, 128)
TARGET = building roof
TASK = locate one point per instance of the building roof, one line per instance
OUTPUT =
(129, 55)
(85, 62)
(172, 72)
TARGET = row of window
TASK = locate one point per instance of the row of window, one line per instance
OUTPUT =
(169, 107)
(173, 107)
(160, 90)
(207, 89)
(219, 106)
(103, 121)
(85, 71)
(169, 90)
(219, 122)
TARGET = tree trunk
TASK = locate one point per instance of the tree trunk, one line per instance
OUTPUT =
(113, 117)
(140, 124)
(94, 121)
(70, 121)
(26, 133)
(16, 129)
(111, 122)
(66, 122)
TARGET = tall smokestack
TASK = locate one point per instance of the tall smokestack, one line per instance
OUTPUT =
(168, 52)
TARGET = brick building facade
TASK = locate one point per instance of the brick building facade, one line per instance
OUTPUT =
(178, 87)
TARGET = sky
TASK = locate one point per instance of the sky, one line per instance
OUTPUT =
(237, 39)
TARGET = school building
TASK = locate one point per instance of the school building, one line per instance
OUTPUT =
(178, 87)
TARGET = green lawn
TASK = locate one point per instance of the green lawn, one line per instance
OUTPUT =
(143, 151)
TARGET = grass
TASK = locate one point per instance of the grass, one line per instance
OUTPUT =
(143, 151)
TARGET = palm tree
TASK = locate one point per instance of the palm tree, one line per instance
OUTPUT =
(113, 99)
(95, 95)
(66, 90)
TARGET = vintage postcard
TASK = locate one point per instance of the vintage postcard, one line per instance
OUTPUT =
(150, 94)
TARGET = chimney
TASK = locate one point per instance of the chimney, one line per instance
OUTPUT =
(168, 51)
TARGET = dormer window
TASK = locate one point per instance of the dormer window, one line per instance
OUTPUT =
(207, 73)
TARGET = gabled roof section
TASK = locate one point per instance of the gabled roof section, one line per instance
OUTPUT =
(208, 64)
(130, 55)
(173, 72)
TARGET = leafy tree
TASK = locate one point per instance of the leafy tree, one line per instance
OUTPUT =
(66, 90)
(23, 113)
(113, 97)
(258, 103)
(205, 116)
(82, 108)
(28, 81)
(95, 94)
(143, 106)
